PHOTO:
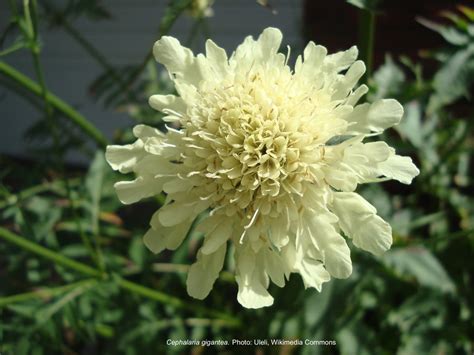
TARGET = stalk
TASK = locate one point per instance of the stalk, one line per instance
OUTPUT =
(366, 40)
(55, 102)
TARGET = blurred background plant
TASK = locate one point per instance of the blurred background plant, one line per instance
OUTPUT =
(76, 278)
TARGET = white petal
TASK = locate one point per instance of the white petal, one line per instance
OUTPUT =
(179, 60)
(187, 92)
(175, 213)
(344, 87)
(359, 221)
(203, 273)
(340, 178)
(133, 191)
(363, 159)
(159, 237)
(251, 278)
(353, 164)
(313, 58)
(253, 294)
(355, 96)
(269, 41)
(278, 233)
(217, 58)
(313, 273)
(314, 55)
(375, 117)
(263, 50)
(337, 255)
(165, 103)
(399, 168)
(243, 54)
(275, 267)
(154, 165)
(124, 157)
(342, 60)
(177, 185)
(217, 237)
(154, 240)
(143, 131)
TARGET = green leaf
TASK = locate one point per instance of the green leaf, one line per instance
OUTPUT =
(454, 79)
(388, 79)
(422, 265)
(450, 34)
(467, 11)
(410, 126)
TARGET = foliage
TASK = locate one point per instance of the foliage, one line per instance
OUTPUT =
(76, 277)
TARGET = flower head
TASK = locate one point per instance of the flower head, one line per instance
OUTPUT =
(273, 155)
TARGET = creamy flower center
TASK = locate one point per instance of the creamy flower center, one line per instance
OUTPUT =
(255, 139)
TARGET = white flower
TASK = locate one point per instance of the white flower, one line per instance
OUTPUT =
(274, 156)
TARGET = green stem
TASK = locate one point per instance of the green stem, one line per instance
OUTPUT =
(366, 40)
(124, 284)
(43, 293)
(39, 73)
(48, 254)
(56, 103)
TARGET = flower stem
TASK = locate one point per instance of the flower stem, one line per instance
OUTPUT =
(366, 40)
(58, 104)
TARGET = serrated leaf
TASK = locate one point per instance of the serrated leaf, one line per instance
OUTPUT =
(454, 79)
(388, 79)
(450, 34)
(410, 126)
